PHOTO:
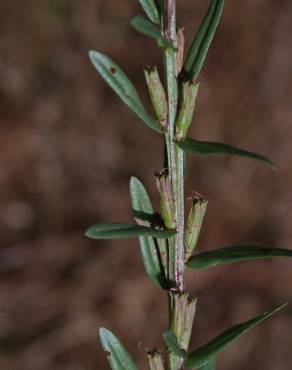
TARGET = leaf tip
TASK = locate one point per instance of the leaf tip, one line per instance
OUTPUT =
(134, 20)
(273, 166)
(133, 181)
(102, 331)
(88, 232)
(281, 306)
(92, 54)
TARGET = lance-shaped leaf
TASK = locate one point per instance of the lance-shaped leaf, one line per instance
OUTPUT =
(122, 86)
(117, 356)
(121, 231)
(151, 10)
(144, 215)
(173, 345)
(204, 354)
(202, 41)
(234, 254)
(211, 365)
(145, 27)
(210, 147)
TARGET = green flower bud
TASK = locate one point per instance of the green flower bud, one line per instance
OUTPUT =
(155, 360)
(184, 309)
(188, 97)
(180, 49)
(157, 95)
(167, 203)
(194, 225)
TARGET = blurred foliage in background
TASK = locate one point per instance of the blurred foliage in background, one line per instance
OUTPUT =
(68, 147)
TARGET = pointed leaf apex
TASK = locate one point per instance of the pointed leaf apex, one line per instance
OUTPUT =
(103, 331)
(134, 180)
(91, 53)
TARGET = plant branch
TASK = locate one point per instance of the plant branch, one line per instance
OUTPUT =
(175, 165)
(175, 154)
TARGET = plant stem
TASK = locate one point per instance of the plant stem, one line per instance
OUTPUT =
(175, 165)
(175, 154)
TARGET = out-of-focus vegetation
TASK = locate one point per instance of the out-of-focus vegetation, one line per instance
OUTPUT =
(61, 127)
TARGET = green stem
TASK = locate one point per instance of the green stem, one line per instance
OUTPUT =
(175, 165)
(175, 154)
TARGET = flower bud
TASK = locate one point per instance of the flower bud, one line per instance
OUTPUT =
(157, 95)
(167, 203)
(194, 225)
(155, 360)
(180, 50)
(188, 97)
(184, 309)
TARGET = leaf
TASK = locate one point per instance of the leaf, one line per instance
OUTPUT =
(122, 86)
(211, 365)
(202, 41)
(144, 215)
(117, 356)
(210, 147)
(151, 10)
(234, 254)
(145, 27)
(204, 354)
(173, 345)
(120, 231)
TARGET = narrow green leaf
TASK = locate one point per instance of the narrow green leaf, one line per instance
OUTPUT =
(173, 345)
(120, 231)
(122, 86)
(202, 41)
(211, 365)
(199, 38)
(234, 254)
(210, 147)
(145, 27)
(151, 10)
(145, 215)
(117, 356)
(204, 354)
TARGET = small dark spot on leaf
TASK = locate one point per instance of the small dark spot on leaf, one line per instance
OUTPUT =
(113, 70)
(107, 353)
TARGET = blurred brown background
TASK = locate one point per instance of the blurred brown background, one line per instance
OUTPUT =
(68, 148)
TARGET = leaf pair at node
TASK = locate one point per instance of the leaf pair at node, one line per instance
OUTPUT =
(149, 230)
